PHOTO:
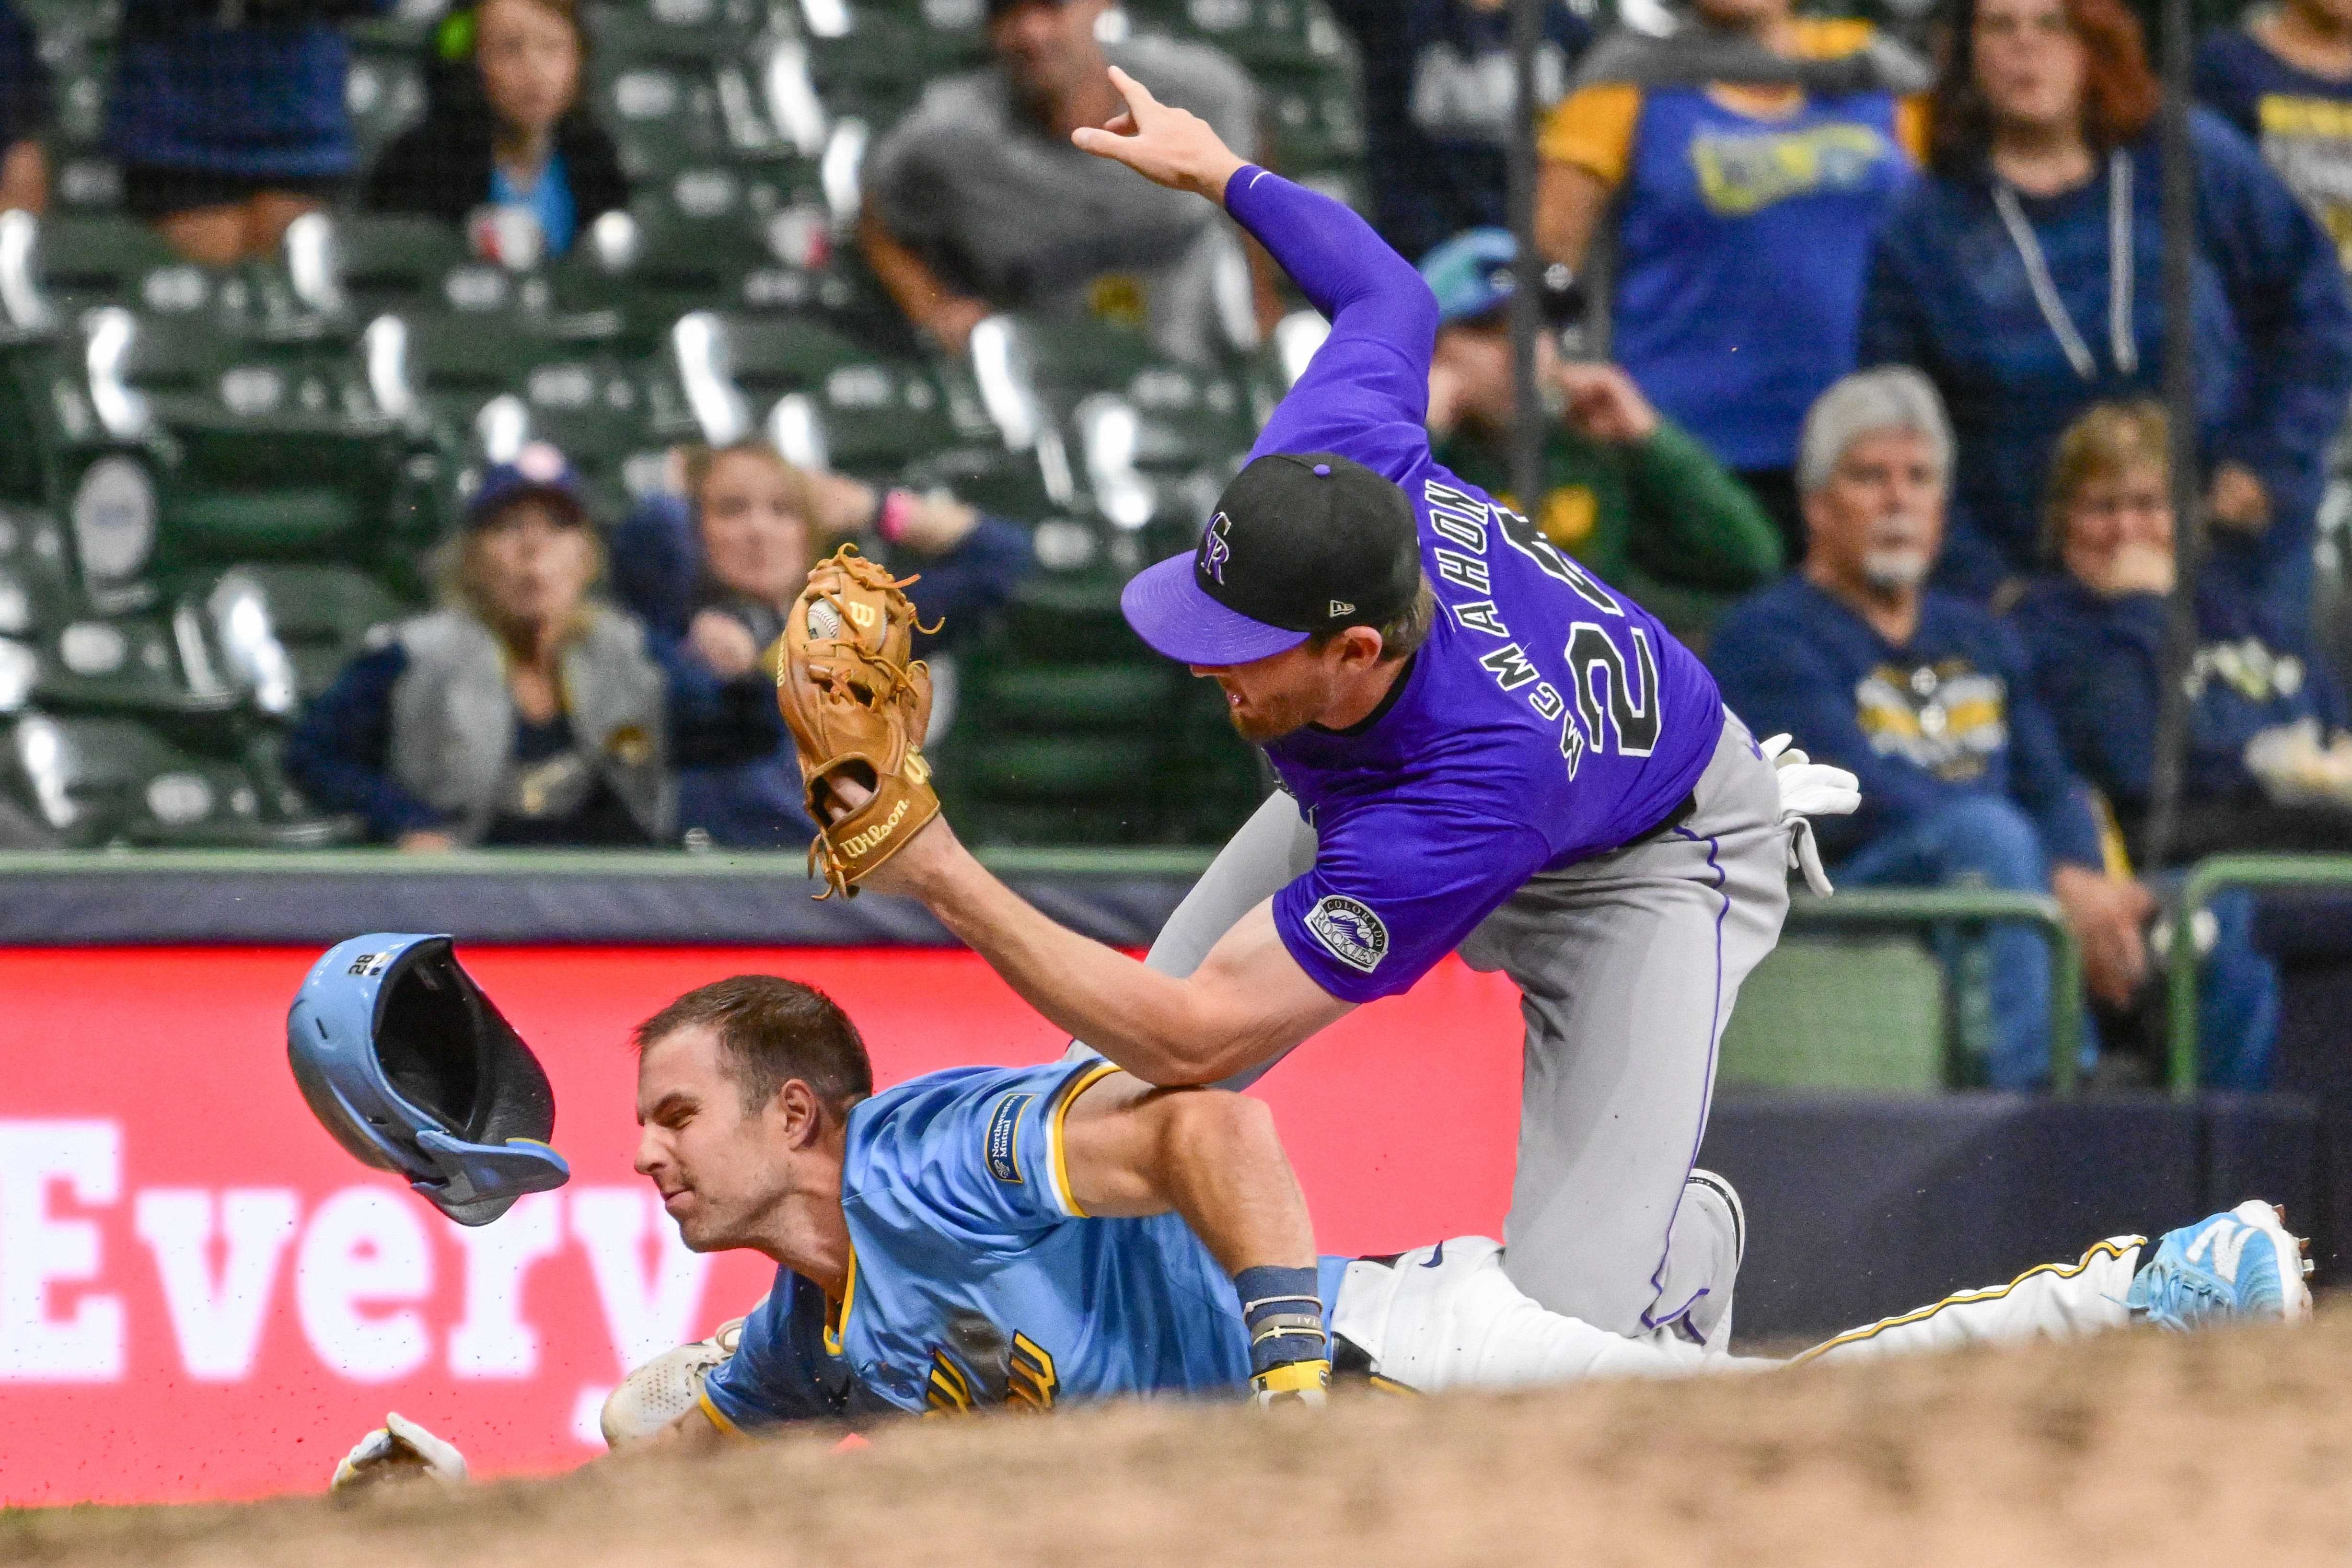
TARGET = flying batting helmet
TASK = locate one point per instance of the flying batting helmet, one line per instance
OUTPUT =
(412, 1068)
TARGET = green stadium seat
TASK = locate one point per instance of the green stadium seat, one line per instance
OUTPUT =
(91, 259)
(874, 70)
(1313, 119)
(1262, 35)
(404, 263)
(98, 782)
(260, 447)
(627, 31)
(493, 381)
(38, 593)
(324, 616)
(77, 41)
(242, 648)
(658, 262)
(1859, 1013)
(384, 90)
(133, 665)
(1068, 730)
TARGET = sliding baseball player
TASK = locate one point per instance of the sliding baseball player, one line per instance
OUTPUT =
(1032, 1238)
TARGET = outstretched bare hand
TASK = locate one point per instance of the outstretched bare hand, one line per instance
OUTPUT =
(1167, 146)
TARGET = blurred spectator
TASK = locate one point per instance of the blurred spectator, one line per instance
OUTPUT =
(515, 133)
(523, 712)
(1627, 491)
(24, 115)
(229, 119)
(976, 201)
(2284, 76)
(2264, 770)
(1924, 697)
(1437, 93)
(2026, 278)
(2269, 765)
(1743, 207)
(713, 579)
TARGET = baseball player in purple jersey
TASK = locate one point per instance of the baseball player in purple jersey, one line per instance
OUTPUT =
(1481, 749)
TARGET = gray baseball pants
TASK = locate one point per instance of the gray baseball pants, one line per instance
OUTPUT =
(1628, 964)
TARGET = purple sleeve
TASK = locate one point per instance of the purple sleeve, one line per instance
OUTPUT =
(1367, 391)
(1395, 887)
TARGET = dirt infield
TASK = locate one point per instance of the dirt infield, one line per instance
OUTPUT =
(2131, 1447)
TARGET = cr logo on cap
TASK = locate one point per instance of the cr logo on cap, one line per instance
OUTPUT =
(1214, 551)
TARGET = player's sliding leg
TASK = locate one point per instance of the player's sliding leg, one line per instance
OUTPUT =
(1630, 964)
(1448, 1316)
(2238, 1266)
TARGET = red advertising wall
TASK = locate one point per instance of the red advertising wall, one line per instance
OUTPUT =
(201, 1294)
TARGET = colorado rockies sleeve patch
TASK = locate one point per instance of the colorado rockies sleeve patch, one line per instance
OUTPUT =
(1349, 932)
(1003, 1137)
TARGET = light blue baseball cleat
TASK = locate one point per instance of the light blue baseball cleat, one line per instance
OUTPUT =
(2241, 1266)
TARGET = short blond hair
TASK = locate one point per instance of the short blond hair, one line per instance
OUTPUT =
(800, 485)
(2110, 439)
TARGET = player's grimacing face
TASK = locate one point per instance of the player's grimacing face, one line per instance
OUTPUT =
(1268, 698)
(717, 1168)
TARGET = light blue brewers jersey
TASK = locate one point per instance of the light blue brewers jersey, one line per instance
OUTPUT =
(1548, 719)
(975, 1278)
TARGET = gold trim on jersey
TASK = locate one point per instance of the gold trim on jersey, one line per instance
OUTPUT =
(836, 1313)
(1057, 1161)
(718, 1416)
(2114, 1248)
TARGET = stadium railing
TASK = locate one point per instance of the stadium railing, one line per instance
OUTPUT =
(1917, 908)
(2206, 879)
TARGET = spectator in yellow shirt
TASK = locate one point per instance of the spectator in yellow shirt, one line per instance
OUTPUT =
(1749, 160)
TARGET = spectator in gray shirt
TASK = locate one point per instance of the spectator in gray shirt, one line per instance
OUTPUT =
(976, 201)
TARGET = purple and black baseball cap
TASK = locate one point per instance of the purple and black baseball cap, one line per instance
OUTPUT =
(1301, 545)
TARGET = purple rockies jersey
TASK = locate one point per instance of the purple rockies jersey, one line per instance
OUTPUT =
(1548, 719)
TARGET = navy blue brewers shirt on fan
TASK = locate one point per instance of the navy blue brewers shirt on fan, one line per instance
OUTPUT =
(1952, 712)
(1547, 718)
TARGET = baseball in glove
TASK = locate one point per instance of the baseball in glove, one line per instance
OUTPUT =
(858, 706)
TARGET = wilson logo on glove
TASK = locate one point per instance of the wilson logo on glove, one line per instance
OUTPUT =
(858, 706)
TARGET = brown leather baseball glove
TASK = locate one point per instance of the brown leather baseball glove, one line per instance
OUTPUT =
(858, 706)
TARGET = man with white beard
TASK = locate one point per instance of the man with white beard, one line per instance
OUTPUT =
(1922, 695)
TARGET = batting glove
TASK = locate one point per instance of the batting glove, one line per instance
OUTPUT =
(1809, 789)
(399, 1449)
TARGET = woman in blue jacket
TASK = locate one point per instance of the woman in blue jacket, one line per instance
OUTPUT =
(713, 577)
(2260, 705)
(2025, 277)
(2264, 719)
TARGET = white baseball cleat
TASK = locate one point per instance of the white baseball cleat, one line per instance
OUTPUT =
(666, 1387)
(1708, 1319)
